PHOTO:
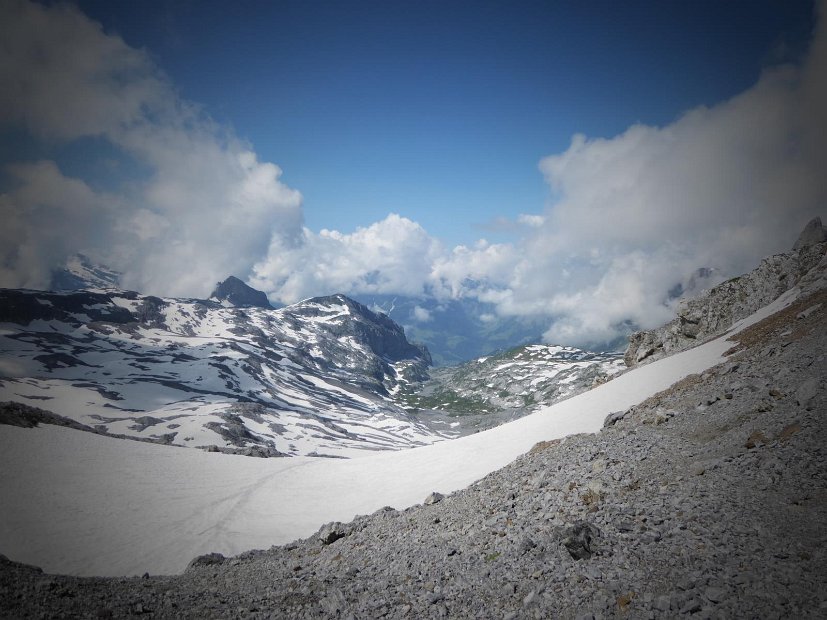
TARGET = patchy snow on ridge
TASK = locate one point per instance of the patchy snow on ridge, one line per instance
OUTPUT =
(313, 378)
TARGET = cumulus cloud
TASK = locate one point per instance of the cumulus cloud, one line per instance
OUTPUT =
(200, 205)
(633, 216)
(720, 187)
(421, 315)
(394, 255)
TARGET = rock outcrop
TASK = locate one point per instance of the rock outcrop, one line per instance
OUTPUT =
(715, 311)
(236, 293)
(814, 232)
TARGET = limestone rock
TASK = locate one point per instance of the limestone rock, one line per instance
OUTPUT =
(434, 498)
(814, 232)
(209, 559)
(715, 311)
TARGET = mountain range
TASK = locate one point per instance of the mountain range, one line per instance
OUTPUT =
(324, 377)
(315, 378)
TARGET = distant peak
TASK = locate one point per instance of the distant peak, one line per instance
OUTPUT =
(814, 232)
(80, 272)
(235, 292)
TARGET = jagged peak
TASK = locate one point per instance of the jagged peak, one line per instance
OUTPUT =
(235, 292)
(814, 232)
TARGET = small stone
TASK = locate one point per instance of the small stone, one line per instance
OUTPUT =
(434, 498)
(807, 391)
(614, 417)
(209, 559)
(788, 431)
(662, 603)
(716, 595)
(755, 438)
(805, 313)
(330, 533)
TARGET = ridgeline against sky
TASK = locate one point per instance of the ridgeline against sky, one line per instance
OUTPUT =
(405, 141)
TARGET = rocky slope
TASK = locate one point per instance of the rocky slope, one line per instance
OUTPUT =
(504, 386)
(314, 378)
(713, 312)
(708, 500)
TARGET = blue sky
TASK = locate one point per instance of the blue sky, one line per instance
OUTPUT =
(568, 161)
(441, 111)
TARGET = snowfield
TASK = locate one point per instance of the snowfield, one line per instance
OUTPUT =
(78, 503)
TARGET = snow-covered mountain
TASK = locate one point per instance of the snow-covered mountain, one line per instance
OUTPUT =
(316, 378)
(80, 272)
(504, 386)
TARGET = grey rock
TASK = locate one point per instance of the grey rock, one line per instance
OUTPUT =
(331, 532)
(808, 311)
(814, 232)
(209, 559)
(433, 498)
(714, 311)
(614, 417)
(579, 540)
(714, 594)
(807, 391)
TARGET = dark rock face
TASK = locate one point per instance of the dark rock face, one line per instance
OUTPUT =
(21, 307)
(239, 294)
(384, 336)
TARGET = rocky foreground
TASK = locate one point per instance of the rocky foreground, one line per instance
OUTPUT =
(709, 499)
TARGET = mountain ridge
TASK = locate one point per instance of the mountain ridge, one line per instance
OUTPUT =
(314, 378)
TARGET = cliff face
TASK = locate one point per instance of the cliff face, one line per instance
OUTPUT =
(716, 310)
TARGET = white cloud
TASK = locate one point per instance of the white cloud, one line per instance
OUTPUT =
(633, 215)
(206, 207)
(534, 221)
(394, 255)
(720, 187)
(421, 315)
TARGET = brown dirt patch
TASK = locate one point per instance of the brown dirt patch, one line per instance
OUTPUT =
(785, 319)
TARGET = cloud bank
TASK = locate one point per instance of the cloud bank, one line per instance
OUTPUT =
(197, 205)
(630, 216)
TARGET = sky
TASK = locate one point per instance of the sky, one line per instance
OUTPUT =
(570, 161)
